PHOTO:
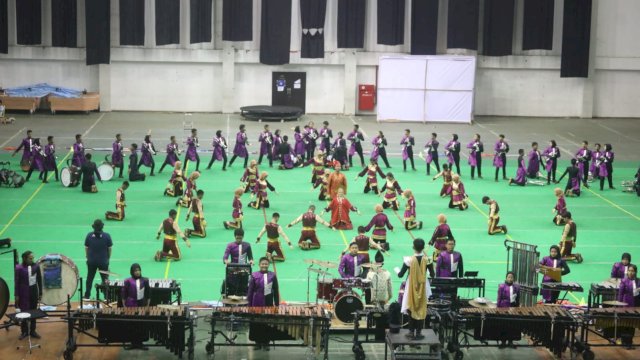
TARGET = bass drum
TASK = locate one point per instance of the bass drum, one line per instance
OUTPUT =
(106, 171)
(60, 278)
(4, 297)
(70, 176)
(346, 303)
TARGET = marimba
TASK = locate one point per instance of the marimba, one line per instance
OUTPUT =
(161, 291)
(603, 291)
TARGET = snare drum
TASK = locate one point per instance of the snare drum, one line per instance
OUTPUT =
(69, 277)
(340, 283)
(106, 171)
(346, 303)
(70, 176)
(325, 290)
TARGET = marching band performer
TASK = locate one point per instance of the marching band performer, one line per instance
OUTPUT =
(50, 159)
(318, 165)
(172, 154)
(117, 156)
(323, 183)
(136, 289)
(37, 160)
(351, 263)
(120, 204)
(356, 138)
(407, 143)
(583, 155)
(286, 154)
(574, 179)
(447, 177)
(561, 207)
(392, 189)
(594, 168)
(263, 291)
(171, 230)
(89, 169)
(337, 181)
(78, 152)
(372, 178)
(452, 151)
(190, 189)
(236, 214)
(619, 269)
(440, 237)
(299, 145)
(508, 292)
(410, 222)
(26, 146)
(219, 150)
(475, 155)
(238, 251)
(521, 173)
(568, 239)
(174, 187)
(494, 217)
(274, 230)
(417, 289)
(250, 176)
(339, 208)
(260, 191)
(266, 141)
(192, 150)
(275, 147)
(458, 195)
(552, 153)
(325, 137)
(449, 263)
(379, 149)
(199, 223)
(380, 223)
(554, 260)
(629, 292)
(308, 238)
(148, 150)
(606, 166)
(310, 135)
(340, 151)
(501, 149)
(27, 291)
(365, 243)
(134, 173)
(431, 153)
(535, 160)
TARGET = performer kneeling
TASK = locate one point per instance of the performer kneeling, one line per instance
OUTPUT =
(417, 289)
(410, 222)
(260, 191)
(88, 169)
(561, 207)
(273, 230)
(170, 249)
(263, 291)
(494, 217)
(134, 173)
(185, 201)
(568, 240)
(199, 223)
(236, 214)
(174, 187)
(458, 195)
(308, 238)
(120, 204)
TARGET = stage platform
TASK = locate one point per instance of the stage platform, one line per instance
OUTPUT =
(271, 113)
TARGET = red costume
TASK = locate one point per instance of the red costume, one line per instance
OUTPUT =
(339, 208)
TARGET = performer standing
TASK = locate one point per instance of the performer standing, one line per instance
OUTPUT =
(379, 222)
(26, 145)
(339, 208)
(561, 207)
(351, 263)
(379, 149)
(134, 173)
(594, 168)
(275, 147)
(135, 292)
(266, 141)
(27, 291)
(568, 240)
(392, 189)
(535, 160)
(606, 166)
(501, 149)
(117, 156)
(318, 166)
(337, 181)
(311, 136)
(199, 223)
(583, 155)
(250, 176)
(97, 247)
(446, 180)
(552, 153)
(189, 191)
(325, 137)
(37, 160)
(174, 187)
(120, 204)
(50, 159)
(299, 145)
(458, 195)
(323, 183)
(452, 151)
(629, 292)
(340, 151)
(172, 153)
(417, 289)
(78, 152)
(475, 155)
(573, 182)
(619, 269)
(260, 191)
(554, 260)
(171, 230)
(274, 230)
(238, 251)
(372, 178)
(148, 150)
(236, 214)
(88, 169)
(440, 237)
(263, 291)
(192, 150)
(508, 296)
(356, 138)
(381, 287)
(407, 143)
(308, 238)
(521, 173)
(431, 153)
(410, 222)
(494, 217)
(449, 263)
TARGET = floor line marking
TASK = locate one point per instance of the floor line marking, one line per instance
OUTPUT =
(486, 128)
(94, 125)
(613, 204)
(13, 137)
(617, 132)
(486, 215)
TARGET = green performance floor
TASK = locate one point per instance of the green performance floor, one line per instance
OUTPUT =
(52, 219)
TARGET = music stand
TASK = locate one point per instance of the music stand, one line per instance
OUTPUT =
(236, 280)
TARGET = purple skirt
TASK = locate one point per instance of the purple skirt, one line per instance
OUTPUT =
(171, 158)
(116, 158)
(374, 154)
(429, 158)
(50, 163)
(218, 153)
(497, 161)
(520, 176)
(240, 150)
(473, 161)
(192, 154)
(146, 159)
(78, 159)
(602, 170)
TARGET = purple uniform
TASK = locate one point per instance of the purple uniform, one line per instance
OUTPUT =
(266, 140)
(275, 147)
(407, 143)
(219, 148)
(500, 157)
(116, 153)
(299, 147)
(78, 154)
(26, 145)
(239, 253)
(263, 289)
(27, 286)
(476, 149)
(583, 156)
(350, 265)
(440, 236)
(355, 137)
(551, 296)
(172, 154)
(552, 154)
(508, 295)
(379, 223)
(135, 291)
(619, 270)
(629, 292)
(192, 148)
(431, 148)
(148, 150)
(377, 143)
(534, 164)
(449, 264)
(38, 156)
(521, 173)
(325, 143)
(240, 150)
(50, 159)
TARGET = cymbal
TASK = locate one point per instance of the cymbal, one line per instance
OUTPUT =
(318, 271)
(327, 264)
(488, 304)
(614, 303)
(235, 297)
(234, 302)
(372, 265)
(108, 273)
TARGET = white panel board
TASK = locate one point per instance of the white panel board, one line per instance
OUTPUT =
(451, 74)
(402, 72)
(401, 104)
(449, 106)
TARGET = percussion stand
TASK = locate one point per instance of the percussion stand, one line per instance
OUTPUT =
(26, 316)
(309, 283)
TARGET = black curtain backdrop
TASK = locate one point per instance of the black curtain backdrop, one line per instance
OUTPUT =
(64, 26)
(275, 32)
(29, 22)
(237, 20)
(131, 22)
(537, 32)
(498, 27)
(4, 27)
(313, 13)
(351, 17)
(424, 27)
(576, 36)
(391, 22)
(462, 27)
(200, 24)
(98, 28)
(167, 22)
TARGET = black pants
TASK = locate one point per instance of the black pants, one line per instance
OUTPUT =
(310, 147)
(551, 175)
(478, 166)
(609, 178)
(382, 152)
(456, 162)
(121, 167)
(91, 273)
(153, 165)
(55, 169)
(259, 159)
(585, 175)
(415, 325)
(165, 163)
(359, 152)
(234, 157)
(224, 161)
(33, 304)
(434, 158)
(31, 171)
(410, 155)
(184, 165)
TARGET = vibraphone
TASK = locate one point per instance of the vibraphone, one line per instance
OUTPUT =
(603, 291)
(548, 326)
(610, 323)
(166, 326)
(309, 324)
(162, 291)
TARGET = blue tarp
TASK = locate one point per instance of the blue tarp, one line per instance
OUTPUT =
(42, 90)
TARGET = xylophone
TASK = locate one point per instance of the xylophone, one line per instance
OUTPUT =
(615, 317)
(162, 291)
(307, 323)
(548, 326)
(603, 291)
(610, 324)
(167, 326)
